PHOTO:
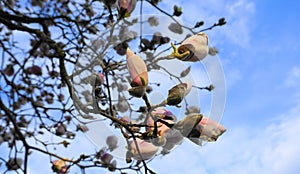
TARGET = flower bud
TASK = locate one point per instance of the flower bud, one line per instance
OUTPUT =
(106, 158)
(60, 130)
(177, 93)
(213, 51)
(137, 69)
(112, 142)
(194, 48)
(126, 7)
(177, 10)
(112, 166)
(189, 123)
(9, 70)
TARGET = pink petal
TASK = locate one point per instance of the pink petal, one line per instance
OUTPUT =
(209, 122)
(137, 68)
(162, 128)
(147, 150)
(210, 129)
(129, 5)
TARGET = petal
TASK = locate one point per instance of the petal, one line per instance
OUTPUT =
(197, 44)
(160, 113)
(210, 129)
(127, 5)
(137, 68)
(147, 150)
(162, 129)
(173, 138)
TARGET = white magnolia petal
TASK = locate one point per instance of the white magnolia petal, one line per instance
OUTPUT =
(199, 45)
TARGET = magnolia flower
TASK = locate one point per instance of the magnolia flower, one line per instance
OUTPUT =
(207, 130)
(177, 93)
(161, 113)
(147, 150)
(210, 129)
(126, 7)
(167, 137)
(192, 49)
(138, 72)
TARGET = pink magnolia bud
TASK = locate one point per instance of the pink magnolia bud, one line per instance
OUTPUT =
(137, 69)
(160, 113)
(99, 79)
(138, 72)
(126, 7)
(82, 127)
(147, 150)
(167, 137)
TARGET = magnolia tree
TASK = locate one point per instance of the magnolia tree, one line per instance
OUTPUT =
(91, 66)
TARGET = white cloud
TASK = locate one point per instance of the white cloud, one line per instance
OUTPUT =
(238, 14)
(245, 149)
(293, 77)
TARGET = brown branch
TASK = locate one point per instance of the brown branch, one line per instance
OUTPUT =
(12, 119)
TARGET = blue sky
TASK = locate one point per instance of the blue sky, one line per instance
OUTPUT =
(259, 50)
